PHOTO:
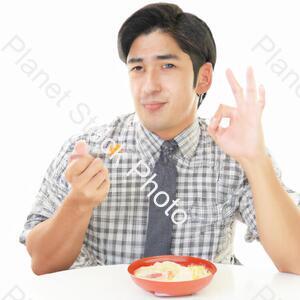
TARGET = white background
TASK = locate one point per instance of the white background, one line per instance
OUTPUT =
(75, 43)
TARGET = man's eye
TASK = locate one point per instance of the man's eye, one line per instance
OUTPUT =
(136, 68)
(168, 66)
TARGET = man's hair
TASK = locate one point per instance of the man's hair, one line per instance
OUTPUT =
(192, 34)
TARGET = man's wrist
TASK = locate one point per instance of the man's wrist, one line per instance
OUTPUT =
(72, 204)
(256, 165)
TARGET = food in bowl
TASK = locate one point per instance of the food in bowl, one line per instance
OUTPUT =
(171, 271)
(171, 287)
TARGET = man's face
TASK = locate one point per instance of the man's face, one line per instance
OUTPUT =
(161, 80)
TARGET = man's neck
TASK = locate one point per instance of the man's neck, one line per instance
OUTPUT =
(171, 133)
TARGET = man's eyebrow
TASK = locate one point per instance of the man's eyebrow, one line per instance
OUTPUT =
(157, 57)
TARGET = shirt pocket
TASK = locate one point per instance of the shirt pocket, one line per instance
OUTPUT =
(205, 216)
(225, 199)
(215, 208)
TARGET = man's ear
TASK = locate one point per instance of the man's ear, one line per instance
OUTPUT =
(204, 78)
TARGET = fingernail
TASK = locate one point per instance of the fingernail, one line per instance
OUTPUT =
(74, 156)
(81, 147)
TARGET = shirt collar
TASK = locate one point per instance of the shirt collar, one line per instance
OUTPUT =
(150, 143)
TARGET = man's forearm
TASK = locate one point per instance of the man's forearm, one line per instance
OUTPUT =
(277, 217)
(55, 243)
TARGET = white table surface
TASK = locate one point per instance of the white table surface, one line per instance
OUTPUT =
(114, 282)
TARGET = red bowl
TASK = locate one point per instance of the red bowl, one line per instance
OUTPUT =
(178, 288)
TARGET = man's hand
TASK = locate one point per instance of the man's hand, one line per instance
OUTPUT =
(88, 177)
(243, 138)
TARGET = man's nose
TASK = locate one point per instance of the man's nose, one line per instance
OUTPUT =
(152, 82)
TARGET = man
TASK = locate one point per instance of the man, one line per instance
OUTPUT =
(161, 180)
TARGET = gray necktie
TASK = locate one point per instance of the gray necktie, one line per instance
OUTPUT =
(159, 230)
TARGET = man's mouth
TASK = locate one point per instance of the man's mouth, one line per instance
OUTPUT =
(154, 106)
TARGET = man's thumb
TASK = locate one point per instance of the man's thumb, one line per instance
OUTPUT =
(81, 148)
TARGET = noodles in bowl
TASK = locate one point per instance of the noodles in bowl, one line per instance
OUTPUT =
(172, 275)
(171, 271)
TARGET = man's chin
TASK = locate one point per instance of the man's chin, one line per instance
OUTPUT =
(155, 121)
(155, 126)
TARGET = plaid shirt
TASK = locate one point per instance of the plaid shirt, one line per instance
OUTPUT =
(212, 188)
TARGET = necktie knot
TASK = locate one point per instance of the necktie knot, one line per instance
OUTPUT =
(168, 149)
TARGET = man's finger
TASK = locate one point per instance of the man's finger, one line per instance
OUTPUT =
(78, 166)
(251, 91)
(262, 97)
(74, 156)
(224, 111)
(81, 148)
(235, 87)
(95, 166)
